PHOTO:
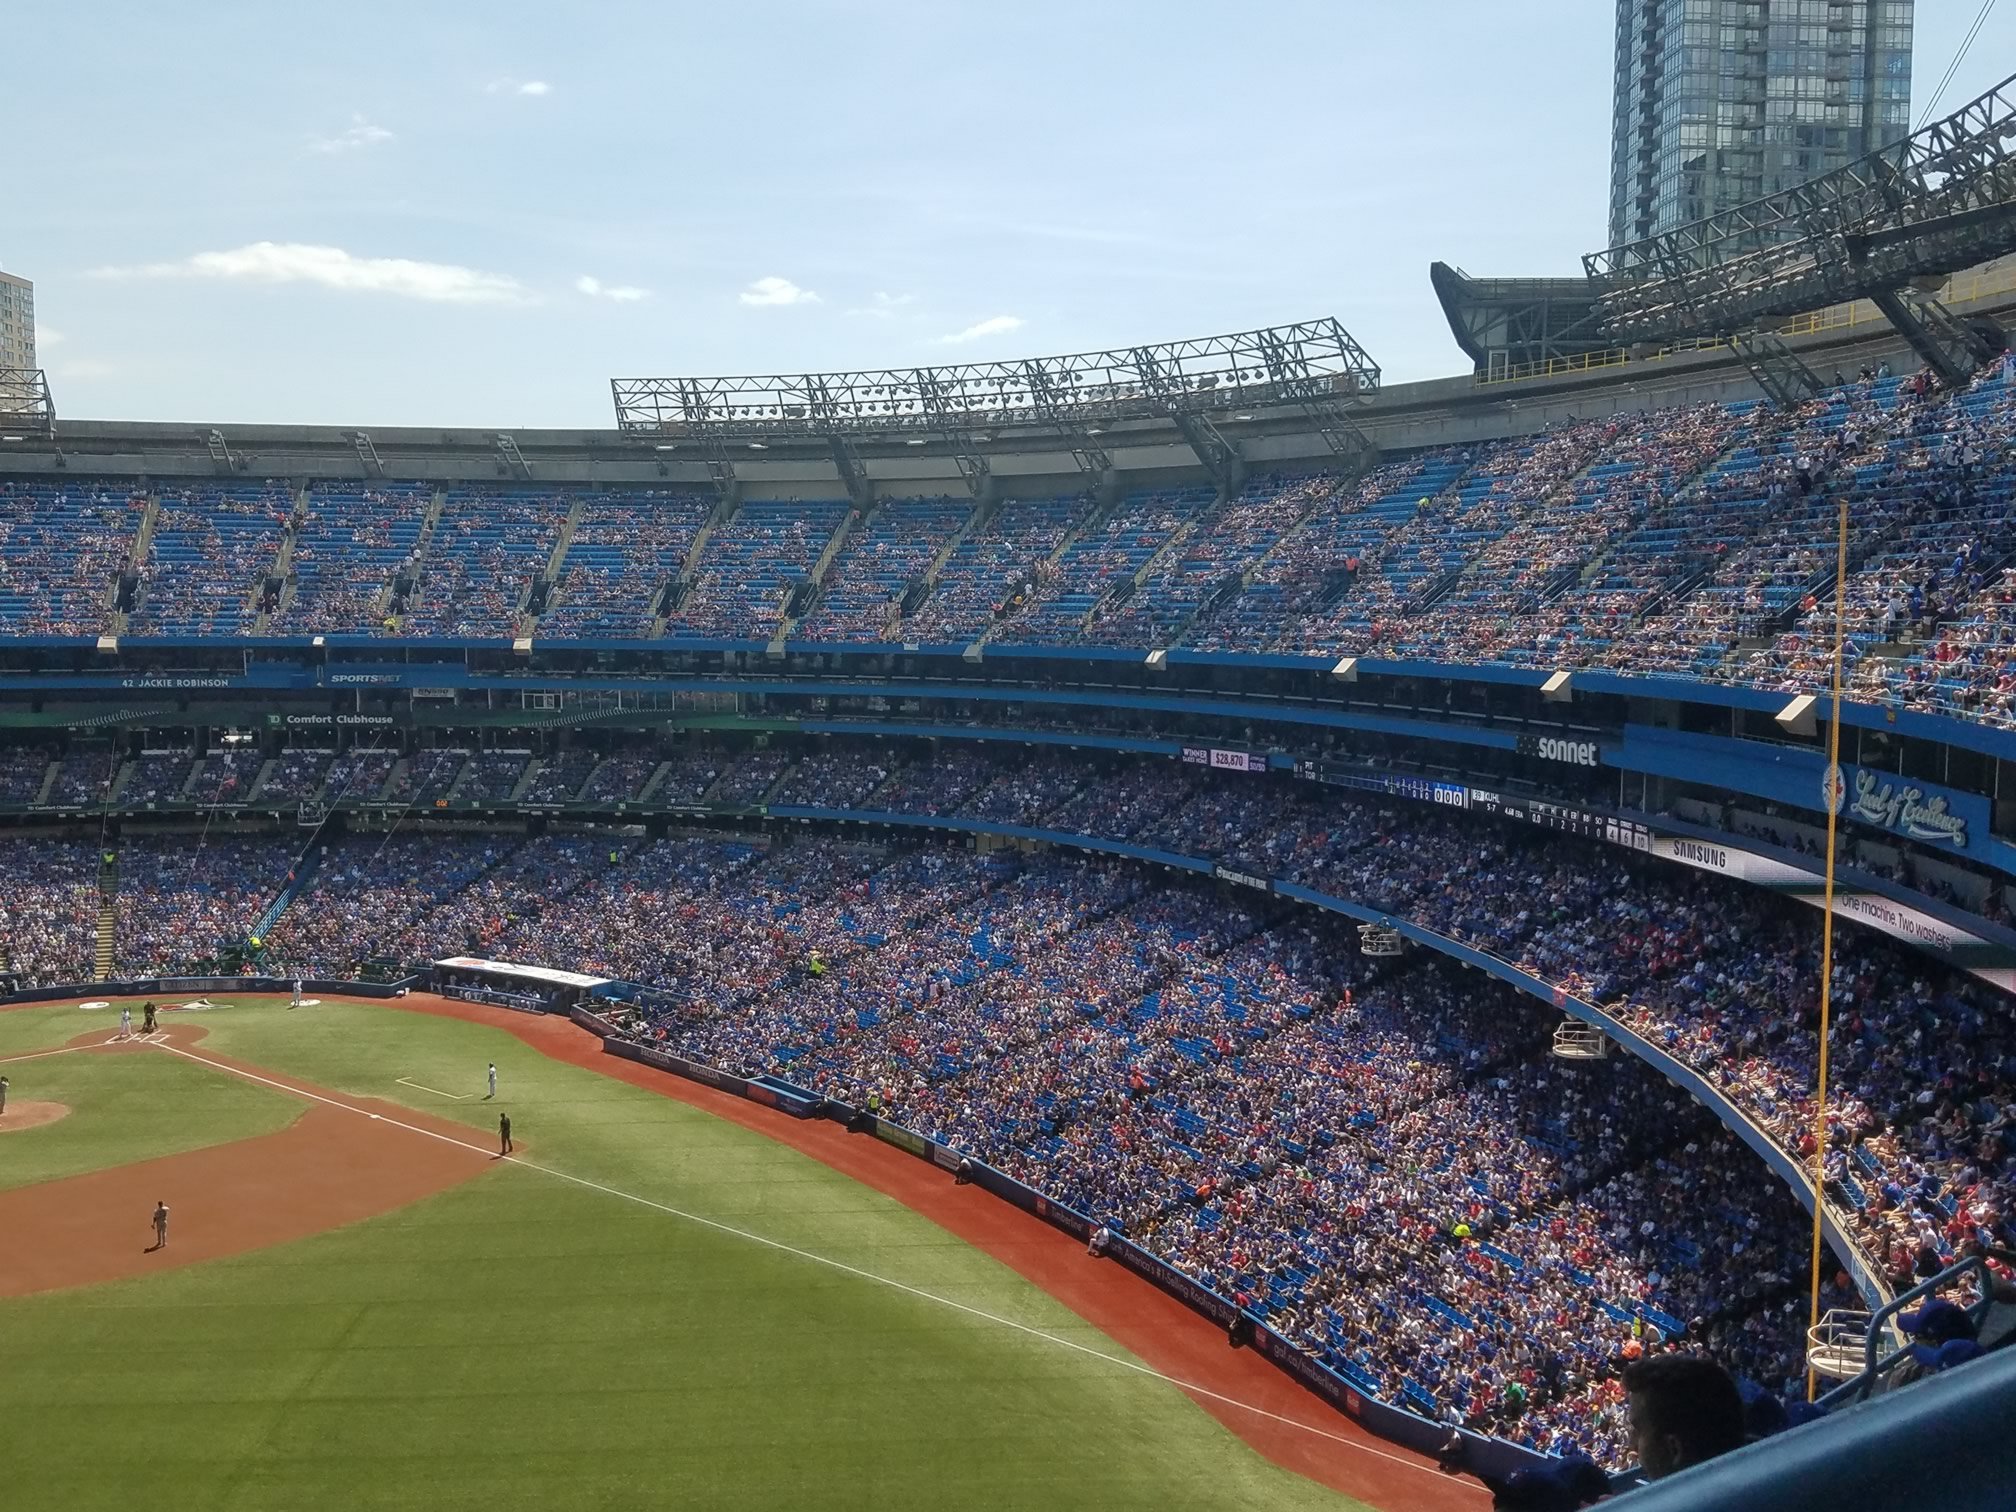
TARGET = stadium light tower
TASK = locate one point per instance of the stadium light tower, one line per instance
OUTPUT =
(1315, 367)
(1887, 227)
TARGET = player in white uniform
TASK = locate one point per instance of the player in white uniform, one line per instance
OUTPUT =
(160, 1225)
(297, 994)
(493, 1080)
(125, 1023)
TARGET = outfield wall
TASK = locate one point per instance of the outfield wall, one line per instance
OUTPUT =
(166, 986)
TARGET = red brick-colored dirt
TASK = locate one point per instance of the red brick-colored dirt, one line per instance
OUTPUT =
(1252, 1398)
(21, 1116)
(334, 1165)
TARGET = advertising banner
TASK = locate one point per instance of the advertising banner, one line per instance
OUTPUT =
(1226, 761)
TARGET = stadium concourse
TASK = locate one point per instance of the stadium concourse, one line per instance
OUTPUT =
(1379, 1157)
(1688, 542)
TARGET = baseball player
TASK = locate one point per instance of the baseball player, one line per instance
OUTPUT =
(147, 1018)
(3, 1096)
(493, 1081)
(504, 1133)
(297, 994)
(125, 1022)
(160, 1225)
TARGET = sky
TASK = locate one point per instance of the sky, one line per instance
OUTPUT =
(451, 214)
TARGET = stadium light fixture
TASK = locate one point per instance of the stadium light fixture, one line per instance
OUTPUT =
(1292, 364)
(1796, 718)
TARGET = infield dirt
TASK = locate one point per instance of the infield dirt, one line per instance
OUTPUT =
(333, 1165)
(23, 1115)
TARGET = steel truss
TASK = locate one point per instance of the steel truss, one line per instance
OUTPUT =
(1938, 201)
(1213, 373)
(25, 405)
(1780, 372)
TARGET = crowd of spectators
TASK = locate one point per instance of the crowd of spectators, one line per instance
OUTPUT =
(749, 568)
(212, 550)
(626, 550)
(63, 547)
(473, 576)
(351, 542)
(866, 584)
(1104, 558)
(1379, 1157)
(1696, 541)
(991, 567)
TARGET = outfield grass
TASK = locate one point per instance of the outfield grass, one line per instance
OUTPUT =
(524, 1342)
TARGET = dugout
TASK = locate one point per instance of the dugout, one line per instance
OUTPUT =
(531, 989)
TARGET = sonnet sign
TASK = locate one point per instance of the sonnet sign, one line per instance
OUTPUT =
(1904, 808)
(1549, 748)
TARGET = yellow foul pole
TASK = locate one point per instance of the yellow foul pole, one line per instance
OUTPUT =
(1836, 796)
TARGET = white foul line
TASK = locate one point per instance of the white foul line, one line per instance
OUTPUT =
(817, 1259)
(407, 1081)
(8, 1060)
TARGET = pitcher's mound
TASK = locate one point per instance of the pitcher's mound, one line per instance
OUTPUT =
(22, 1114)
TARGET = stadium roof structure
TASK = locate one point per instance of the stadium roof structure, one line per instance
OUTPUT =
(1885, 228)
(1315, 367)
(25, 404)
(1505, 324)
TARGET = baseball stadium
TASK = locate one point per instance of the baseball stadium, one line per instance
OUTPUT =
(1177, 926)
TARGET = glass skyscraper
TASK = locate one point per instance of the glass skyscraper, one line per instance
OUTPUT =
(1724, 101)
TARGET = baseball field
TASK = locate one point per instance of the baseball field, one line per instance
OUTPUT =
(656, 1302)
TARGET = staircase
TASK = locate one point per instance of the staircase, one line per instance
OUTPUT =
(653, 782)
(914, 597)
(108, 917)
(674, 591)
(815, 581)
(1102, 509)
(542, 588)
(526, 777)
(388, 595)
(143, 544)
(282, 569)
(297, 879)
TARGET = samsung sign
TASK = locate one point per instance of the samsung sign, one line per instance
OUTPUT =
(1549, 748)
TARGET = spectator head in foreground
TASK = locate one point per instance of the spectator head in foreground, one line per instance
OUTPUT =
(1684, 1409)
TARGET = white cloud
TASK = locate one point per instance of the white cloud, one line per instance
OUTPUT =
(777, 291)
(532, 88)
(359, 133)
(334, 268)
(47, 336)
(594, 288)
(993, 325)
(89, 367)
(883, 305)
